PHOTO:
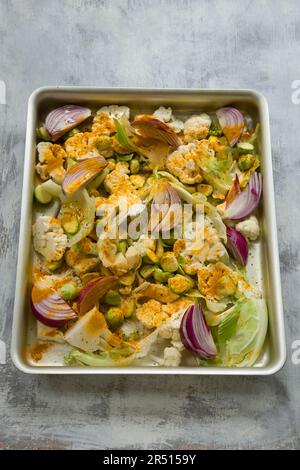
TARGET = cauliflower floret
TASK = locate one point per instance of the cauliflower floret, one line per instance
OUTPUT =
(170, 330)
(53, 281)
(177, 308)
(117, 262)
(121, 263)
(172, 357)
(105, 145)
(155, 291)
(103, 124)
(150, 314)
(202, 244)
(109, 256)
(167, 329)
(82, 262)
(49, 238)
(51, 160)
(176, 340)
(217, 281)
(118, 182)
(249, 228)
(196, 127)
(183, 163)
(138, 181)
(145, 243)
(115, 111)
(82, 145)
(176, 125)
(163, 114)
(122, 167)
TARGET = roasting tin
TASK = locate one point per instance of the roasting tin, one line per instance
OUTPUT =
(264, 260)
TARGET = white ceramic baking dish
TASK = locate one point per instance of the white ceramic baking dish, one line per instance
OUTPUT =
(264, 258)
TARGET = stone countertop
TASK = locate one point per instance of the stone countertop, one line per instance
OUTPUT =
(166, 43)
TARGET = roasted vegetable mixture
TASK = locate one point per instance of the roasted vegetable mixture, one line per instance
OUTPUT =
(142, 234)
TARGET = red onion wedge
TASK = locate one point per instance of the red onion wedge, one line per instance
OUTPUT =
(237, 245)
(82, 173)
(195, 334)
(51, 309)
(93, 291)
(63, 119)
(150, 127)
(232, 123)
(245, 202)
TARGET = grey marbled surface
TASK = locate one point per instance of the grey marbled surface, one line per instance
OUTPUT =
(171, 43)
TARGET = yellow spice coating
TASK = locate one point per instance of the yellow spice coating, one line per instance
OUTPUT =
(217, 281)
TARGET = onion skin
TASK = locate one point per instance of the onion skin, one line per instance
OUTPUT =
(93, 291)
(237, 245)
(167, 204)
(234, 190)
(63, 119)
(150, 127)
(52, 310)
(195, 334)
(82, 173)
(245, 202)
(232, 123)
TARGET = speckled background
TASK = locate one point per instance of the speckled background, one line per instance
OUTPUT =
(171, 43)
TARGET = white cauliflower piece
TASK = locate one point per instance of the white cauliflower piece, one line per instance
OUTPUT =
(82, 257)
(163, 114)
(115, 111)
(196, 127)
(42, 149)
(116, 261)
(157, 292)
(143, 244)
(150, 314)
(51, 160)
(109, 256)
(176, 340)
(176, 125)
(82, 145)
(249, 228)
(202, 243)
(172, 357)
(118, 182)
(170, 330)
(184, 163)
(49, 238)
(122, 167)
(167, 329)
